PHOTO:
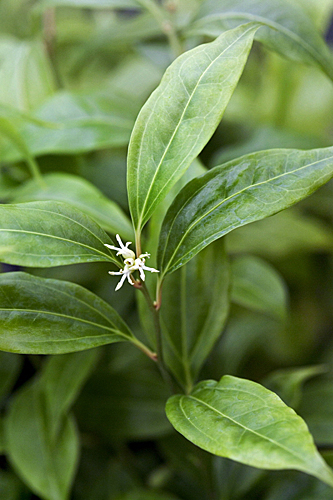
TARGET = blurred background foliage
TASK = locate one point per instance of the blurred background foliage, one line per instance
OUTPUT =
(73, 76)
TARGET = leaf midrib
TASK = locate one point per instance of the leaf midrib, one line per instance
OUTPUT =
(176, 129)
(61, 315)
(262, 436)
(221, 203)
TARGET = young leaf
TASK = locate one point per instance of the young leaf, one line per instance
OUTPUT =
(180, 117)
(258, 286)
(49, 233)
(241, 420)
(236, 193)
(46, 316)
(289, 31)
(45, 462)
(82, 195)
(194, 309)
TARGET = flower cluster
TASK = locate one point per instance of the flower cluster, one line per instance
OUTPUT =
(131, 263)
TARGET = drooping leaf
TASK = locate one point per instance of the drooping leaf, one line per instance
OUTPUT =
(49, 233)
(82, 195)
(75, 123)
(46, 463)
(180, 117)
(241, 420)
(289, 31)
(258, 286)
(236, 193)
(25, 74)
(46, 316)
(195, 306)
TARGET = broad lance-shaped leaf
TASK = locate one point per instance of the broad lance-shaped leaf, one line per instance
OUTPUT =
(49, 233)
(180, 117)
(47, 316)
(41, 438)
(288, 31)
(82, 195)
(242, 420)
(236, 193)
(46, 463)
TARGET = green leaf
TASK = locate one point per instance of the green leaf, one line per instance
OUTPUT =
(194, 310)
(25, 74)
(124, 404)
(288, 383)
(317, 407)
(46, 463)
(10, 131)
(180, 117)
(288, 31)
(258, 286)
(241, 420)
(48, 233)
(62, 379)
(82, 195)
(75, 123)
(10, 366)
(236, 193)
(46, 316)
(283, 234)
(41, 438)
(86, 4)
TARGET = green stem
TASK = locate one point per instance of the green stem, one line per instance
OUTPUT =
(159, 341)
(34, 170)
(165, 24)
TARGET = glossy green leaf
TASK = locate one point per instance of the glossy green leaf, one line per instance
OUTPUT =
(81, 194)
(45, 462)
(75, 123)
(25, 74)
(49, 233)
(258, 286)
(289, 31)
(180, 117)
(195, 306)
(241, 420)
(46, 316)
(244, 190)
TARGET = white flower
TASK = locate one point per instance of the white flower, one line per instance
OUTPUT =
(131, 262)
